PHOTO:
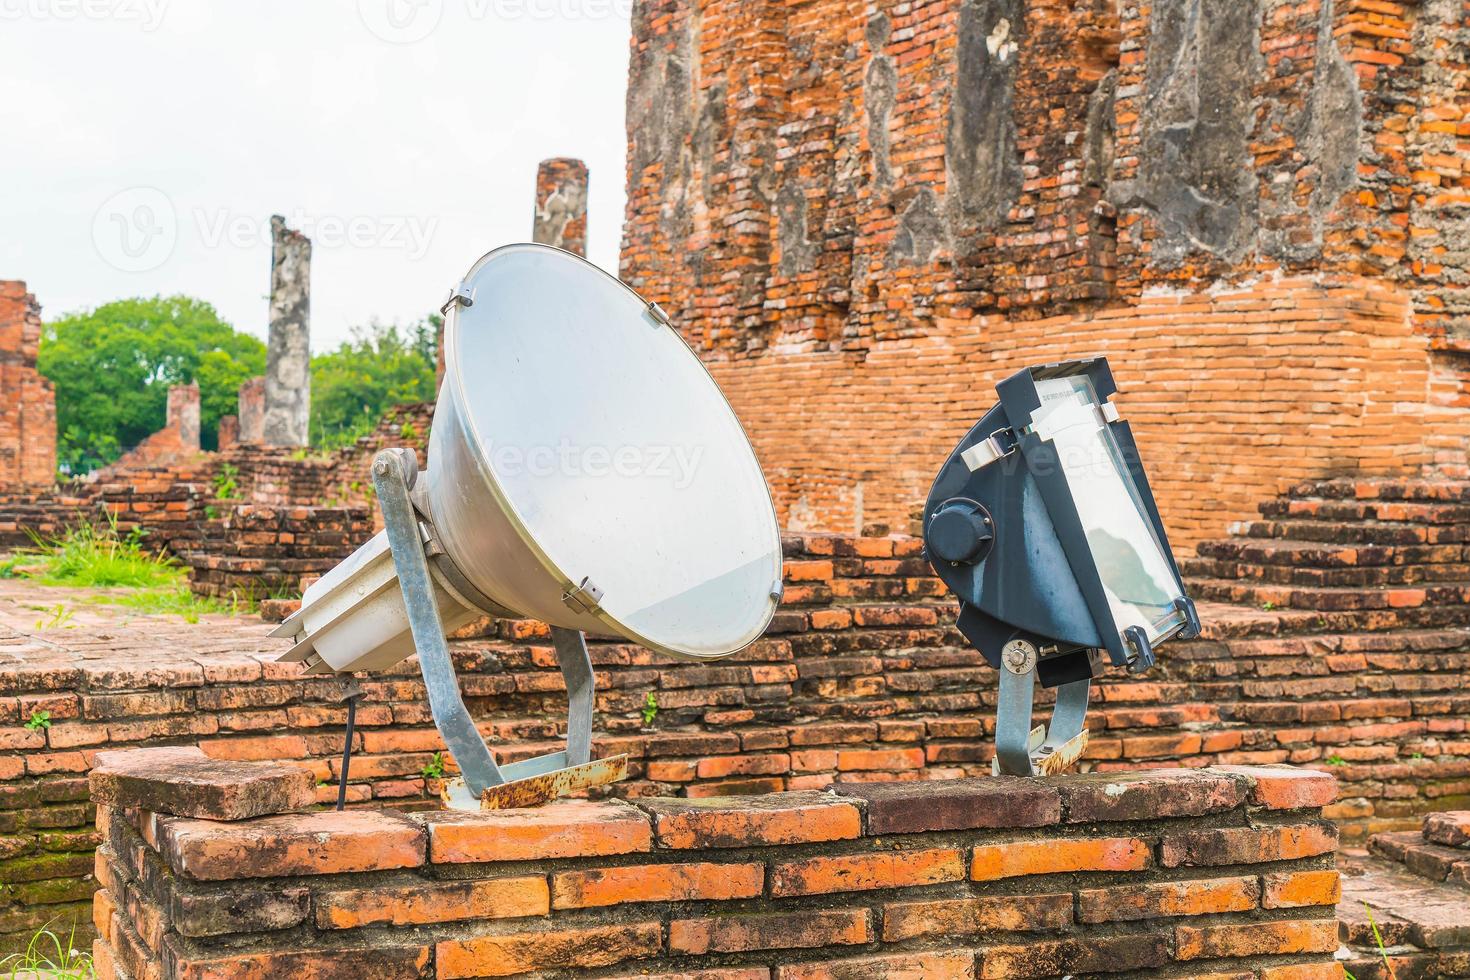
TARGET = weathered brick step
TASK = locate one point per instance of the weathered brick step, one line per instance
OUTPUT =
(1308, 577)
(1385, 533)
(1425, 859)
(1450, 597)
(1383, 489)
(1320, 554)
(1366, 510)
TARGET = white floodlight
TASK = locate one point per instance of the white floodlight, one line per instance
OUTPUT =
(584, 470)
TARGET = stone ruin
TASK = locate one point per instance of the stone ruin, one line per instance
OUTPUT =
(561, 205)
(27, 401)
(287, 419)
(862, 216)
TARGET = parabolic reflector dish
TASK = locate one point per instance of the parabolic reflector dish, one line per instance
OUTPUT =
(585, 470)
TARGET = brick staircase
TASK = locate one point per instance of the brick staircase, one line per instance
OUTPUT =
(1413, 890)
(1366, 554)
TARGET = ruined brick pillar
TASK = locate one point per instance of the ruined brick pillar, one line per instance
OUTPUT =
(252, 411)
(561, 204)
(183, 415)
(229, 431)
(27, 400)
(288, 363)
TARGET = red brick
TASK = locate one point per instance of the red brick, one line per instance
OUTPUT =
(449, 901)
(1255, 939)
(656, 883)
(570, 828)
(1287, 788)
(548, 949)
(865, 872)
(1150, 795)
(888, 760)
(298, 844)
(1005, 801)
(793, 930)
(1246, 845)
(1126, 903)
(968, 916)
(364, 963)
(185, 782)
(1448, 829)
(936, 965)
(1057, 856)
(784, 818)
(1300, 889)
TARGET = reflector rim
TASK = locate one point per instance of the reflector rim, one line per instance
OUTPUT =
(452, 375)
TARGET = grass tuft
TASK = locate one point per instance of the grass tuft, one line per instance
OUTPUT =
(88, 558)
(48, 956)
(92, 558)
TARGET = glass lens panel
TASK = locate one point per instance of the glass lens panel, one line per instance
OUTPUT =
(1140, 584)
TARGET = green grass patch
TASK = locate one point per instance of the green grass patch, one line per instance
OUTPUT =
(49, 955)
(88, 558)
(91, 558)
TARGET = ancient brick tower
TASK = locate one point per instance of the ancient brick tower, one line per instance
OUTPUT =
(27, 400)
(863, 214)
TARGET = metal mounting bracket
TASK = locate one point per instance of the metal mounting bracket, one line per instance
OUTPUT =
(1047, 750)
(461, 295)
(485, 783)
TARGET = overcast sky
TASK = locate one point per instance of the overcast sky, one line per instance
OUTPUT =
(147, 142)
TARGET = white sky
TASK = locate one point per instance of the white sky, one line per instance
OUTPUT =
(147, 142)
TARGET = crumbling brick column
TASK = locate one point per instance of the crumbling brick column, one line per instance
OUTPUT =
(252, 411)
(183, 415)
(229, 431)
(209, 872)
(27, 400)
(561, 204)
(288, 361)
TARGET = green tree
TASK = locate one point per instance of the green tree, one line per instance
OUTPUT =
(379, 367)
(113, 366)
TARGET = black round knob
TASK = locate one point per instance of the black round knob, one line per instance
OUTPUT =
(960, 532)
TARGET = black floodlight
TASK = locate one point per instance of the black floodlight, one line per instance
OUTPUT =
(1043, 524)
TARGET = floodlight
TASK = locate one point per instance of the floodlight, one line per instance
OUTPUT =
(584, 470)
(1043, 524)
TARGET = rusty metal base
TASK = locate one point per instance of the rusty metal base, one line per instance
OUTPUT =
(539, 789)
(1050, 762)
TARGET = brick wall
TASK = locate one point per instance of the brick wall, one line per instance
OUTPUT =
(1160, 874)
(861, 680)
(27, 400)
(1231, 395)
(862, 214)
(285, 513)
(252, 552)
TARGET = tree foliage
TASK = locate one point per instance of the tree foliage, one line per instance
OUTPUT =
(113, 366)
(379, 367)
